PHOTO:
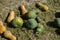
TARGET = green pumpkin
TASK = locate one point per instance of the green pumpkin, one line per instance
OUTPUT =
(17, 22)
(57, 21)
(31, 14)
(36, 11)
(31, 23)
(40, 28)
(38, 19)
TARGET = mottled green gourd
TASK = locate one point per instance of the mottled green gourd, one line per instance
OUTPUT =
(31, 23)
(38, 19)
(36, 11)
(17, 22)
(31, 14)
(40, 28)
(57, 21)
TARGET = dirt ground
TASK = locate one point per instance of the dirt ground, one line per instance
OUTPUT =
(50, 30)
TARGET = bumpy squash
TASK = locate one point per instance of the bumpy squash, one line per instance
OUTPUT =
(31, 14)
(38, 19)
(40, 28)
(57, 22)
(31, 23)
(17, 22)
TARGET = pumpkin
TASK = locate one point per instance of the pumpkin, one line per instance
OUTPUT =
(36, 11)
(11, 16)
(57, 22)
(38, 19)
(31, 14)
(40, 28)
(31, 23)
(17, 22)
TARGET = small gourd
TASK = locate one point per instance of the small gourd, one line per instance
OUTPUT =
(36, 10)
(42, 6)
(17, 22)
(38, 19)
(11, 16)
(31, 23)
(9, 35)
(40, 28)
(57, 22)
(23, 10)
(31, 14)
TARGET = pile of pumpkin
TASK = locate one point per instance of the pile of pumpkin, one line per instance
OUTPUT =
(29, 18)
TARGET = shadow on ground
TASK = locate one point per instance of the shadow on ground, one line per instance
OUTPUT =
(54, 24)
(57, 14)
(58, 31)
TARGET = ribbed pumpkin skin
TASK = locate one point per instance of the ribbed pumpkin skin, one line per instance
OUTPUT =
(57, 21)
(17, 22)
(31, 23)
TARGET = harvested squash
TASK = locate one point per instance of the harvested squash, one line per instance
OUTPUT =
(31, 23)
(36, 10)
(23, 9)
(31, 14)
(17, 22)
(42, 6)
(2, 27)
(57, 21)
(9, 35)
(11, 16)
(40, 28)
(13, 38)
